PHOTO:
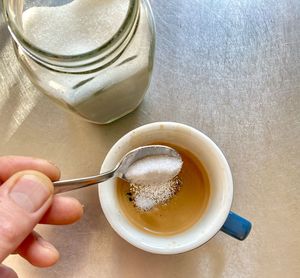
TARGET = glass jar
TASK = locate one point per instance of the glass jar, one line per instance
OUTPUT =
(93, 57)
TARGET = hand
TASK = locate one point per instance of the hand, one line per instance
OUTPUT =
(26, 199)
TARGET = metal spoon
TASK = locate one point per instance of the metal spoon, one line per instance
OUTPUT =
(119, 171)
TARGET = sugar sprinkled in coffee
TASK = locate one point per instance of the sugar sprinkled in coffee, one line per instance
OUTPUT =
(154, 180)
(149, 195)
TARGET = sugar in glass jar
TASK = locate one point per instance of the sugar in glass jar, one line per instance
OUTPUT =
(94, 57)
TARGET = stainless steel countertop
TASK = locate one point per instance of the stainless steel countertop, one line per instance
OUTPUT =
(228, 68)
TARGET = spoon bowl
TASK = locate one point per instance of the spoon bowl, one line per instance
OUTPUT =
(120, 169)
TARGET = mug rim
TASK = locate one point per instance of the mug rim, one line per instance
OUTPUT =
(139, 238)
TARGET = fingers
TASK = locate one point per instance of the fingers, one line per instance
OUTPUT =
(64, 210)
(24, 199)
(10, 165)
(38, 251)
(7, 272)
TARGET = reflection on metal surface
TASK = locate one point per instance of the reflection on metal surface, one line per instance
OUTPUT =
(229, 68)
(17, 99)
(24, 104)
(16, 102)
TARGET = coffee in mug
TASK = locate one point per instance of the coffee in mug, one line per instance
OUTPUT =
(178, 213)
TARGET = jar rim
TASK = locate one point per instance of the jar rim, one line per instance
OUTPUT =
(127, 24)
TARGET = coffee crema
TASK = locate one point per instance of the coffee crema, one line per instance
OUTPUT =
(179, 213)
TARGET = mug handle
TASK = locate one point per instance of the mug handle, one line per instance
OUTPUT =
(236, 226)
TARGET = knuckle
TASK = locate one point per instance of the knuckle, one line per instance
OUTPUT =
(8, 231)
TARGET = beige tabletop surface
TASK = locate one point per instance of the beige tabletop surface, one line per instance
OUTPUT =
(226, 67)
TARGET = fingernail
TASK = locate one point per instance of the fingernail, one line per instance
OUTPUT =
(46, 244)
(53, 164)
(30, 192)
(54, 254)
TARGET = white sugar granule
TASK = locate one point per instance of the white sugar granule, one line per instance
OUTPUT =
(144, 203)
(154, 180)
(154, 169)
(76, 27)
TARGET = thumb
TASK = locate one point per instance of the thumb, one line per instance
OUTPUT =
(6, 272)
(24, 199)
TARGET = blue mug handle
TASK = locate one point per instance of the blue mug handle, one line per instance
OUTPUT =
(236, 226)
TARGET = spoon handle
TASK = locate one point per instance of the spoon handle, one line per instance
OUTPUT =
(68, 185)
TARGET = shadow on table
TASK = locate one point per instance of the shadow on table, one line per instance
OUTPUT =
(4, 34)
(206, 261)
(15, 106)
(107, 135)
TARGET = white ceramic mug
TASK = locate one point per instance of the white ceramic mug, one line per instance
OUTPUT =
(217, 215)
